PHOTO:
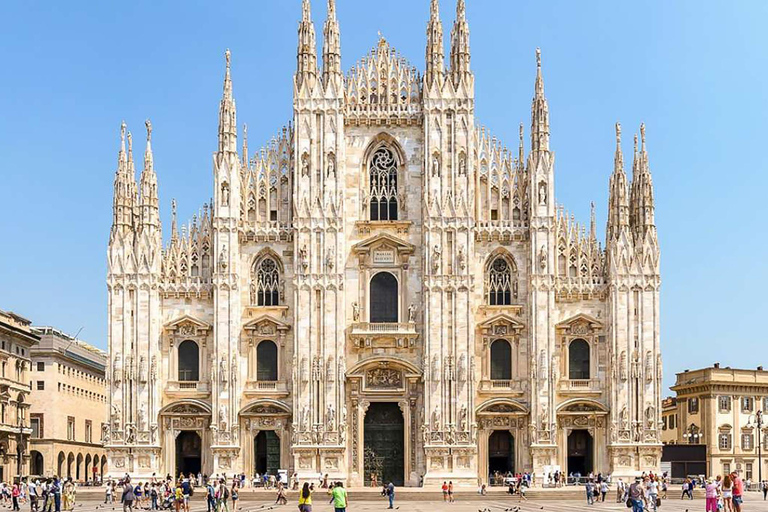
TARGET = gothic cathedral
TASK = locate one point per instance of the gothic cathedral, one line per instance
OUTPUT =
(384, 288)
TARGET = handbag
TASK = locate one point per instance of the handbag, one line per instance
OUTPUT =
(629, 503)
(658, 502)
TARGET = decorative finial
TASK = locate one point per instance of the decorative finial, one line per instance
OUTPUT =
(635, 143)
(130, 142)
(538, 58)
(618, 134)
(148, 124)
(460, 9)
(521, 133)
(122, 132)
(227, 56)
(642, 135)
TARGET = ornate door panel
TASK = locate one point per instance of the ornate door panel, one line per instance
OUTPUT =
(383, 443)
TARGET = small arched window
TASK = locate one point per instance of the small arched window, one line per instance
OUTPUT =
(383, 180)
(189, 361)
(501, 360)
(578, 359)
(383, 298)
(266, 288)
(500, 283)
(266, 361)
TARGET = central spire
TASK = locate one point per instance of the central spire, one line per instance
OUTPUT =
(227, 112)
(539, 112)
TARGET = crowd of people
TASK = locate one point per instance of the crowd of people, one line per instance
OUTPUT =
(42, 494)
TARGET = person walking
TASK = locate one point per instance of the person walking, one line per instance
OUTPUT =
(636, 496)
(391, 494)
(305, 498)
(210, 496)
(590, 488)
(711, 495)
(726, 492)
(339, 498)
(236, 496)
(653, 492)
(686, 486)
(603, 490)
(738, 491)
(450, 491)
(444, 488)
(15, 492)
(128, 496)
(764, 488)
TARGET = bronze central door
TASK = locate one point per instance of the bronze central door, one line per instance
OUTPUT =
(383, 443)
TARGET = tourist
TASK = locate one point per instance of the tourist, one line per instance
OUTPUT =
(178, 497)
(32, 490)
(127, 497)
(109, 493)
(450, 492)
(281, 497)
(374, 479)
(711, 492)
(391, 494)
(726, 492)
(620, 491)
(305, 498)
(652, 487)
(764, 488)
(664, 487)
(15, 497)
(738, 491)
(590, 489)
(521, 485)
(340, 499)
(603, 490)
(686, 486)
(636, 496)
(210, 496)
(223, 496)
(137, 493)
(445, 491)
(235, 496)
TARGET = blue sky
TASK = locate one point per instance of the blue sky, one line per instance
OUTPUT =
(693, 71)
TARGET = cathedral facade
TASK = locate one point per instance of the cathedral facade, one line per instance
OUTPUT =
(384, 288)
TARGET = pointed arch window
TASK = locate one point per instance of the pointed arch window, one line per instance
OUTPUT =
(383, 182)
(502, 287)
(265, 290)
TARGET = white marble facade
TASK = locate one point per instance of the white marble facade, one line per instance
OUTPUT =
(382, 249)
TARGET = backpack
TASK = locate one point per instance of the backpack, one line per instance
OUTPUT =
(225, 494)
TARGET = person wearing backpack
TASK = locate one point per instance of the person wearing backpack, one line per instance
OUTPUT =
(210, 497)
(223, 496)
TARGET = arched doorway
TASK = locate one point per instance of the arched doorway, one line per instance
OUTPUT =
(501, 453)
(383, 442)
(188, 452)
(36, 463)
(266, 447)
(580, 452)
(60, 465)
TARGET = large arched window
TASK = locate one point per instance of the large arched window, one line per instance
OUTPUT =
(189, 361)
(266, 361)
(383, 179)
(383, 295)
(501, 285)
(501, 360)
(265, 290)
(578, 359)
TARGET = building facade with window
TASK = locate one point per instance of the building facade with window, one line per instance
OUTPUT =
(718, 407)
(383, 288)
(16, 340)
(69, 407)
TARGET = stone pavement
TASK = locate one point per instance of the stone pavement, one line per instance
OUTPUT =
(753, 503)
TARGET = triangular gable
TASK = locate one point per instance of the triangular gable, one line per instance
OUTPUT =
(184, 323)
(501, 319)
(266, 325)
(594, 323)
(383, 239)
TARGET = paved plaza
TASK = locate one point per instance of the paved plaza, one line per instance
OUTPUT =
(259, 502)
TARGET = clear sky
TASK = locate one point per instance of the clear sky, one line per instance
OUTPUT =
(695, 72)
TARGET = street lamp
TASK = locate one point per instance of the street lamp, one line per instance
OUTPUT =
(692, 434)
(757, 420)
(20, 448)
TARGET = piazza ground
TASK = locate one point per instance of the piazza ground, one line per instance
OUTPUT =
(427, 501)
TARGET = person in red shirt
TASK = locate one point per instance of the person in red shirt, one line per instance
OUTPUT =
(738, 492)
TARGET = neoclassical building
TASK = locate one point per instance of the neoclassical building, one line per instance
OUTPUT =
(384, 287)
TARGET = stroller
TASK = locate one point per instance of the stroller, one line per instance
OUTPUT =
(167, 503)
